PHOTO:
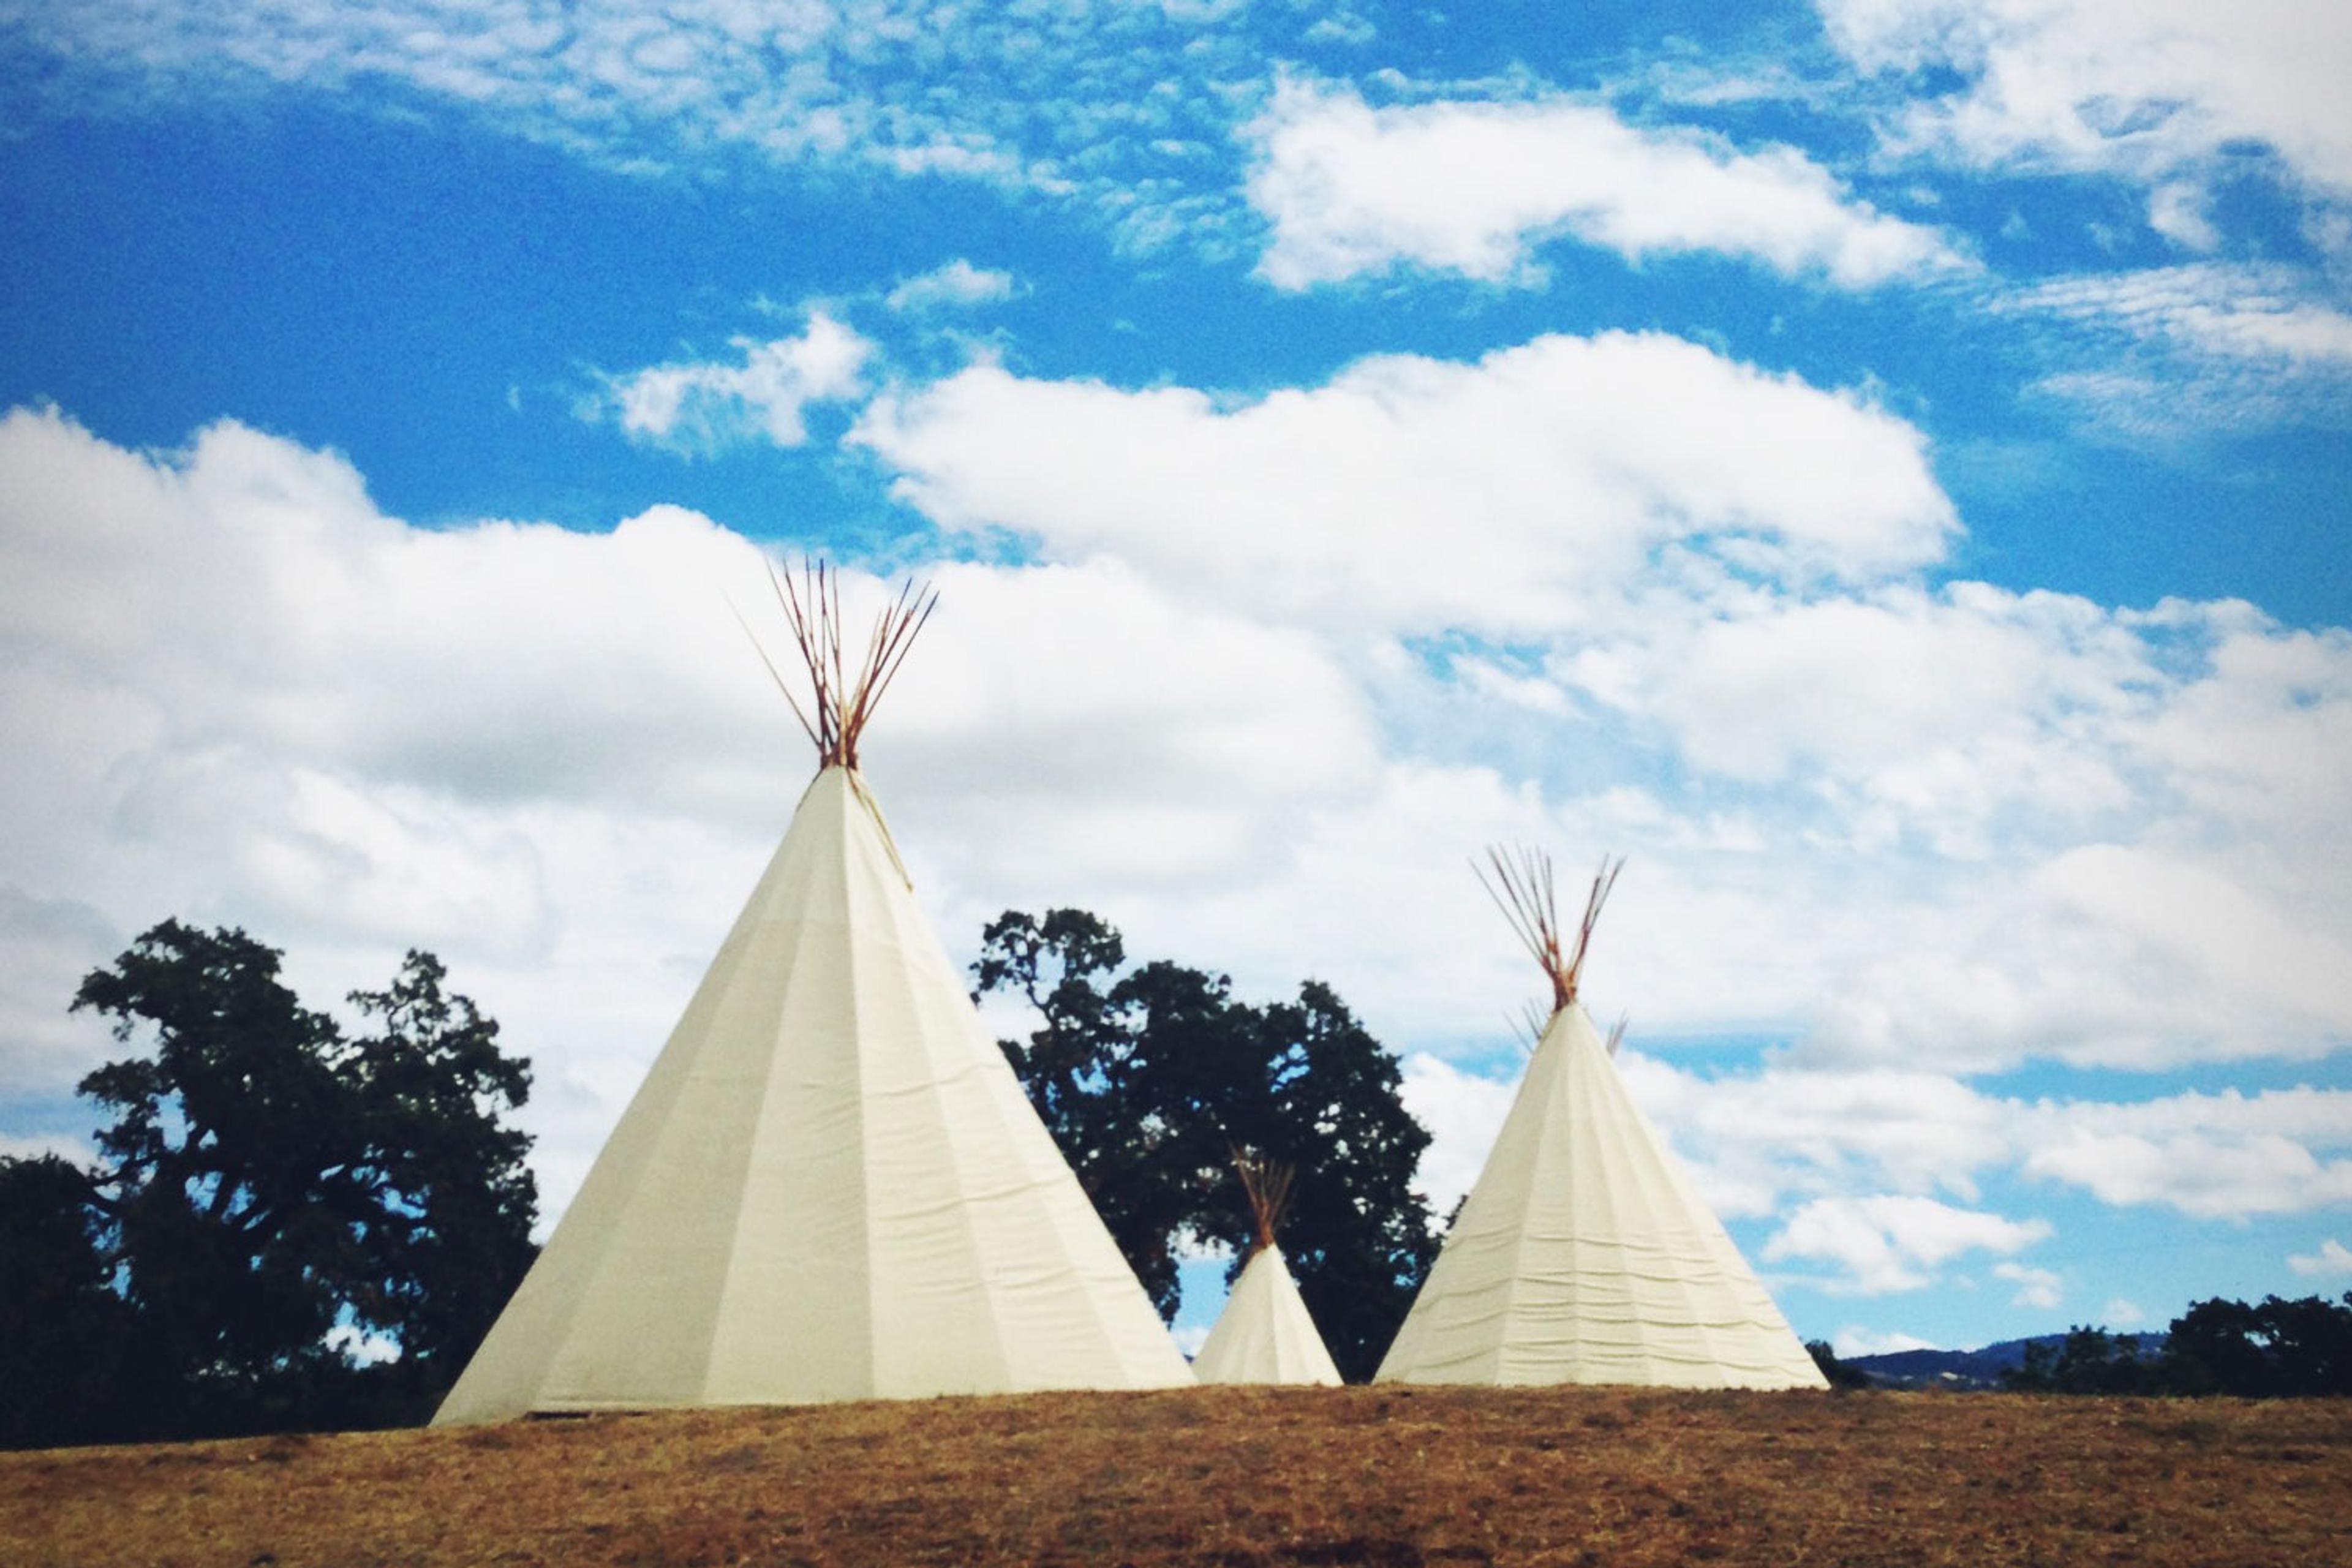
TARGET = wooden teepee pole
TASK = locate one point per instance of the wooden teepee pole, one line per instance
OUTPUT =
(843, 699)
(1522, 890)
(1267, 1185)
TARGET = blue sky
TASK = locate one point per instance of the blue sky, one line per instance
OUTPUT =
(1884, 468)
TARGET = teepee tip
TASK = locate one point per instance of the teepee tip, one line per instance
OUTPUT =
(1265, 1184)
(844, 696)
(1522, 889)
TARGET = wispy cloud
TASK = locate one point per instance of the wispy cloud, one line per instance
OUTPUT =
(2041, 1288)
(2220, 311)
(2176, 350)
(1070, 102)
(953, 283)
(1478, 186)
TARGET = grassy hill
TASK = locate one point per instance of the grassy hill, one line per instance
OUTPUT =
(1240, 1478)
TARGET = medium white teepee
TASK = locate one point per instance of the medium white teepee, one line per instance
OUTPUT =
(1264, 1334)
(830, 1184)
(1584, 1254)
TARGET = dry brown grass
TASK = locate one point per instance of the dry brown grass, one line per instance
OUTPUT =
(1240, 1477)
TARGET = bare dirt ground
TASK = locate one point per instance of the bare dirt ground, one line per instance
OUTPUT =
(1240, 1478)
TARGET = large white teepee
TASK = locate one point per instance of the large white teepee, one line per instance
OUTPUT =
(1264, 1333)
(1584, 1254)
(830, 1185)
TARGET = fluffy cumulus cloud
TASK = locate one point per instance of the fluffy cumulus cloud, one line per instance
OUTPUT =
(699, 407)
(1711, 567)
(1696, 560)
(1553, 473)
(1474, 186)
(1889, 1243)
(2206, 1155)
(1917, 833)
(241, 693)
(2147, 86)
(1881, 688)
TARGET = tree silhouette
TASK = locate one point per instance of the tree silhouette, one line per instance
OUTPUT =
(1149, 1077)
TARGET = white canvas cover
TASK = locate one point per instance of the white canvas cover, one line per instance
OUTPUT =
(1584, 1254)
(1264, 1334)
(829, 1187)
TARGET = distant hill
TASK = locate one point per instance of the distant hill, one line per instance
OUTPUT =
(1968, 1369)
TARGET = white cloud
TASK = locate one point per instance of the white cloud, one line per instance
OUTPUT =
(1067, 101)
(2221, 311)
(2200, 1175)
(1341, 28)
(46, 944)
(697, 406)
(1934, 705)
(1475, 187)
(2123, 1314)
(2333, 1260)
(1551, 473)
(2210, 1155)
(2037, 1288)
(2262, 734)
(1754, 1139)
(952, 283)
(1463, 1113)
(2163, 354)
(1888, 1243)
(41, 1146)
(2179, 212)
(2146, 85)
(240, 693)
(1854, 1340)
(248, 695)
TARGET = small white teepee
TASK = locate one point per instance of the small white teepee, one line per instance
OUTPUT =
(1264, 1334)
(830, 1185)
(1584, 1254)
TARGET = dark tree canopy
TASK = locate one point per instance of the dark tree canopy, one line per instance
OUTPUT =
(268, 1189)
(2279, 1349)
(1150, 1076)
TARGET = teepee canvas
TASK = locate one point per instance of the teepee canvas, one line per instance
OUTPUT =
(1584, 1254)
(1264, 1334)
(830, 1185)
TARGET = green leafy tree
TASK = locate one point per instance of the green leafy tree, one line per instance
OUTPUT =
(268, 1189)
(1149, 1077)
